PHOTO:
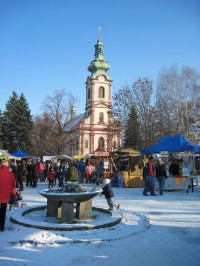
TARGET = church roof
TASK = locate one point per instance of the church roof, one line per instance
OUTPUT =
(74, 122)
(99, 66)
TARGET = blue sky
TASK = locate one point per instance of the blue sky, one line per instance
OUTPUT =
(47, 45)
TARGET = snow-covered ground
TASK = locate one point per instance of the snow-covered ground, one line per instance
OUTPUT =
(158, 231)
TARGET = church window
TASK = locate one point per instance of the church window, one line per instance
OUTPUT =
(114, 145)
(101, 143)
(86, 144)
(101, 117)
(101, 92)
(89, 93)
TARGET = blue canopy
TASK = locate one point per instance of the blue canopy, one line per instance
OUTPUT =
(172, 144)
(20, 154)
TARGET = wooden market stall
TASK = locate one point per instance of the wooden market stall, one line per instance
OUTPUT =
(101, 156)
(129, 164)
(124, 167)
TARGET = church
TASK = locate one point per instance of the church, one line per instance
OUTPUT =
(95, 131)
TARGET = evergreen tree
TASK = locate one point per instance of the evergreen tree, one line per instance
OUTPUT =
(132, 138)
(17, 124)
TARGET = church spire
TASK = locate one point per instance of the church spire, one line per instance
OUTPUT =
(99, 48)
(99, 33)
(99, 66)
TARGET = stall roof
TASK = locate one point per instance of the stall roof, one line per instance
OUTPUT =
(78, 157)
(172, 144)
(62, 157)
(5, 154)
(128, 151)
(20, 154)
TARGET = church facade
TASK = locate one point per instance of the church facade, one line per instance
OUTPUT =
(95, 131)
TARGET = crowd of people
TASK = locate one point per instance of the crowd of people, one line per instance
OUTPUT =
(14, 176)
(28, 172)
(24, 173)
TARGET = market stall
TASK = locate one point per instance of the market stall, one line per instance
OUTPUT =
(5, 155)
(101, 156)
(182, 151)
(20, 154)
(61, 158)
(129, 163)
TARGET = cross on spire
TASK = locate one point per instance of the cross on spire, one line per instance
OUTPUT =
(99, 29)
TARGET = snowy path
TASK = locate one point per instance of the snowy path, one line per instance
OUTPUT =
(159, 231)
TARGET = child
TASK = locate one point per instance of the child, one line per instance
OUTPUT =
(51, 175)
(109, 194)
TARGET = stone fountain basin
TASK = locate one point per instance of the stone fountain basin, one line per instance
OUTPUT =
(69, 197)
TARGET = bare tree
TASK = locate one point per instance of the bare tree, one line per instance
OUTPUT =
(173, 109)
(50, 137)
(142, 91)
(177, 101)
(140, 96)
(122, 104)
(190, 79)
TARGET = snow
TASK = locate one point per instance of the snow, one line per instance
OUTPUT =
(159, 231)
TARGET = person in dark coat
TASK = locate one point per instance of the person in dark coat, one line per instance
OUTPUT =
(29, 177)
(81, 171)
(35, 173)
(21, 174)
(13, 168)
(72, 173)
(7, 185)
(100, 171)
(109, 194)
(174, 168)
(60, 173)
(148, 175)
(161, 175)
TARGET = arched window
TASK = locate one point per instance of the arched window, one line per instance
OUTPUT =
(86, 144)
(101, 92)
(101, 143)
(114, 145)
(89, 93)
(77, 144)
(101, 117)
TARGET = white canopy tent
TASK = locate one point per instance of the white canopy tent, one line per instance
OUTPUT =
(61, 157)
(5, 154)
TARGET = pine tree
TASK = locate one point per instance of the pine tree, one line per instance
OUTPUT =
(132, 130)
(17, 124)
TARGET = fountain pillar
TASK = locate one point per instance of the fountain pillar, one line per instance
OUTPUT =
(52, 207)
(84, 209)
(67, 212)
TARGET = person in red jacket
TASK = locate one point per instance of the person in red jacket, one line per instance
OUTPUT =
(51, 175)
(88, 172)
(7, 185)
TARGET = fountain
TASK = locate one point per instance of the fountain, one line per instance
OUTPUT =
(61, 202)
(68, 208)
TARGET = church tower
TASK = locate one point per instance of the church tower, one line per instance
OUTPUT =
(95, 131)
(98, 85)
(99, 102)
